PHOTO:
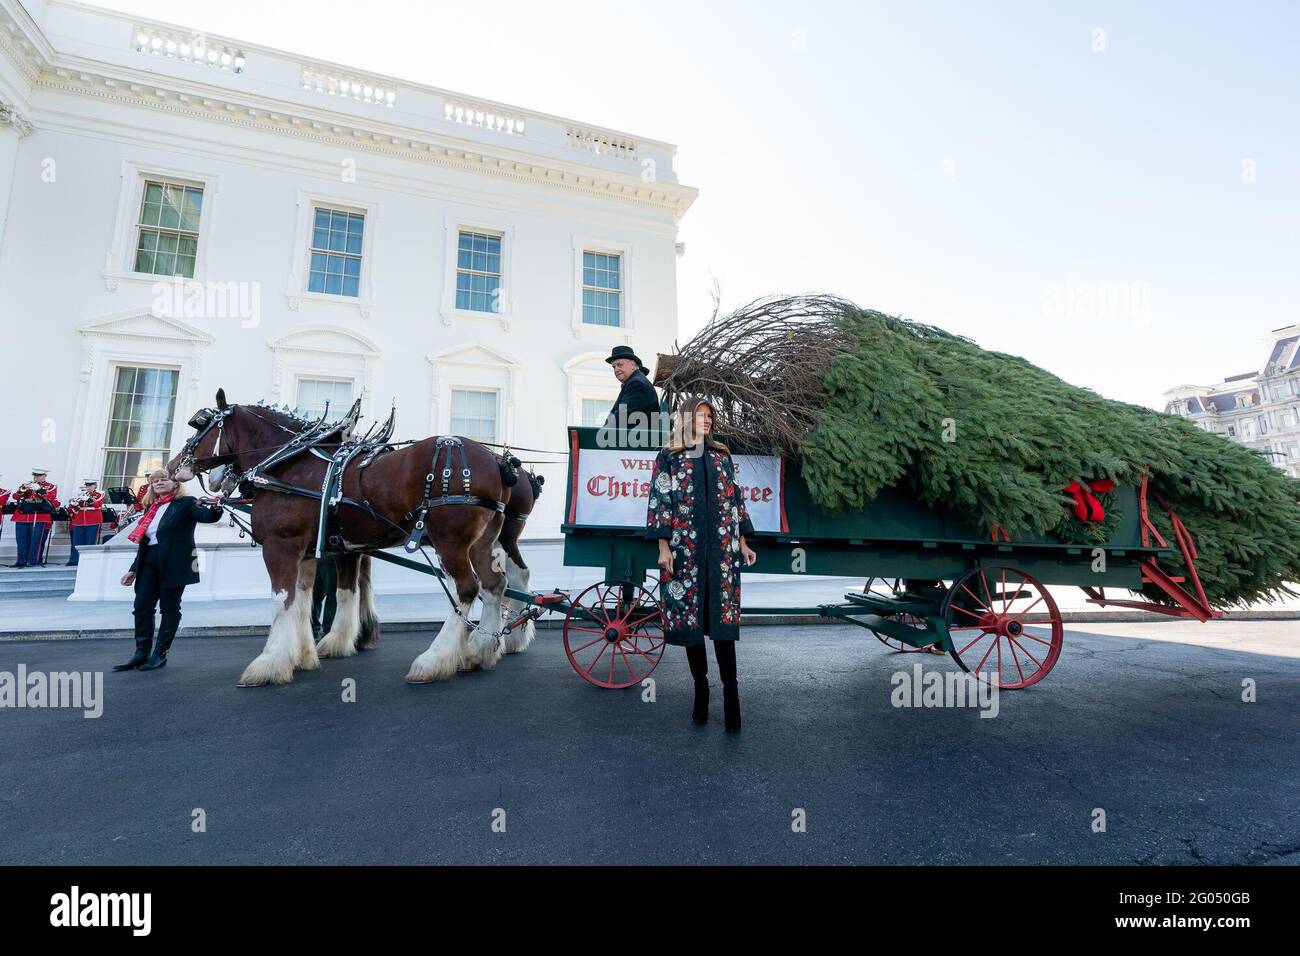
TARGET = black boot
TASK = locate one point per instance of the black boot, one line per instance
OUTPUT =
(139, 657)
(699, 662)
(166, 634)
(725, 651)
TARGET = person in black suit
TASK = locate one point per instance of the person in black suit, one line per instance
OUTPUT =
(164, 564)
(637, 404)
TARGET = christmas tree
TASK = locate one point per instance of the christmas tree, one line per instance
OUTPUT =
(869, 401)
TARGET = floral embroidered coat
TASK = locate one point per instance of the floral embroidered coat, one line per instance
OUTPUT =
(696, 505)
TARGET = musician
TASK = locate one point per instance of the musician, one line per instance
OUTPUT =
(4, 503)
(164, 564)
(636, 397)
(37, 501)
(85, 518)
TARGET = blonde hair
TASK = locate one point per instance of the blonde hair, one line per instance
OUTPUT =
(684, 427)
(149, 497)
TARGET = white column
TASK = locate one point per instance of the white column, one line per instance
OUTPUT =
(12, 129)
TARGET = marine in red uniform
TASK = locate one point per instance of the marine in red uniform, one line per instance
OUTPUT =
(4, 503)
(34, 517)
(86, 518)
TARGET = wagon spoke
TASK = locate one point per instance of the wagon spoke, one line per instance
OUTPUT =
(1004, 590)
(996, 643)
(1025, 651)
(589, 643)
(1028, 609)
(978, 601)
(1011, 646)
(983, 634)
(988, 591)
(1038, 639)
(978, 617)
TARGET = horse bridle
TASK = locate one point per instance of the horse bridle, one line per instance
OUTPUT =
(205, 419)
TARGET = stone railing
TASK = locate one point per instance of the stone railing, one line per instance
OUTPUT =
(481, 116)
(350, 87)
(187, 48)
(601, 143)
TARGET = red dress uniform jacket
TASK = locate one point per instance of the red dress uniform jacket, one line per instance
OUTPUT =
(91, 513)
(51, 495)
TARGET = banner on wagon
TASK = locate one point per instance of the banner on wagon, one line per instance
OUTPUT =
(611, 488)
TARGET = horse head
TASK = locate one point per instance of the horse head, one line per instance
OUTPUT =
(214, 443)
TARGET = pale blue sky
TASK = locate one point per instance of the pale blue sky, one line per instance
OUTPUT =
(963, 164)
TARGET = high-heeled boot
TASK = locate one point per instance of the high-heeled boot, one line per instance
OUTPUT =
(699, 662)
(166, 634)
(725, 651)
(143, 641)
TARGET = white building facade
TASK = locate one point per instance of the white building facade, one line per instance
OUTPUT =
(181, 212)
(1259, 409)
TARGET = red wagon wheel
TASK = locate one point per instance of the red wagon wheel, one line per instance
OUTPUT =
(1005, 626)
(614, 634)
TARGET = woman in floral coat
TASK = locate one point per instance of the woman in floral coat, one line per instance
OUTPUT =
(698, 516)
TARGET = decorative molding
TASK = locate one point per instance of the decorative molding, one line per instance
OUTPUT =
(291, 120)
(9, 116)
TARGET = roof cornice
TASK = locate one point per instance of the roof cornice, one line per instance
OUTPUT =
(47, 70)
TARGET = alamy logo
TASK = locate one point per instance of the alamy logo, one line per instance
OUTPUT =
(103, 909)
(921, 688)
(82, 690)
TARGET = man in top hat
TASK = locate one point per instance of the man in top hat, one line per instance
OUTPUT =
(34, 517)
(637, 403)
(86, 518)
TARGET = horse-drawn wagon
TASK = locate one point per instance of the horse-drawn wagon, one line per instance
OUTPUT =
(932, 578)
(979, 595)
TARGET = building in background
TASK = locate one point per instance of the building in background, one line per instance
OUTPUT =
(1260, 409)
(181, 212)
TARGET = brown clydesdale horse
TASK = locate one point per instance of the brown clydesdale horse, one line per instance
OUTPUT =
(236, 438)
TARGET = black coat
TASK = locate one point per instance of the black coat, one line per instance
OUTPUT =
(176, 557)
(636, 395)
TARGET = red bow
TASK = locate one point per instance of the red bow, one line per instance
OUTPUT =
(142, 526)
(1086, 505)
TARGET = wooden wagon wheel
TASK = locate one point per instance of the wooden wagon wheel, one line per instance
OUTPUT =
(987, 612)
(614, 634)
(911, 620)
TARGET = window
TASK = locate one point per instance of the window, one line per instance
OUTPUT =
(168, 241)
(139, 424)
(313, 393)
(602, 296)
(1286, 419)
(1232, 431)
(595, 411)
(478, 272)
(336, 243)
(474, 414)
(1293, 452)
(1283, 390)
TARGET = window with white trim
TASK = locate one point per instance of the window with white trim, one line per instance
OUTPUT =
(478, 271)
(474, 413)
(139, 424)
(167, 241)
(313, 393)
(594, 412)
(602, 288)
(337, 240)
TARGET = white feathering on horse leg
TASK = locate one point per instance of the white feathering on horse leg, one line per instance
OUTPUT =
(341, 641)
(485, 647)
(275, 664)
(306, 658)
(444, 656)
(517, 580)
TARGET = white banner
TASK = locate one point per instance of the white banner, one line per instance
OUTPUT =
(611, 488)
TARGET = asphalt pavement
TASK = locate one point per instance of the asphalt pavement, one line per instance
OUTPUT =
(530, 764)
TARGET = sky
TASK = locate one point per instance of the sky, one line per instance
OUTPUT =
(1111, 190)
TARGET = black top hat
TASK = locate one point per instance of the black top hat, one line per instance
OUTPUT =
(625, 352)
